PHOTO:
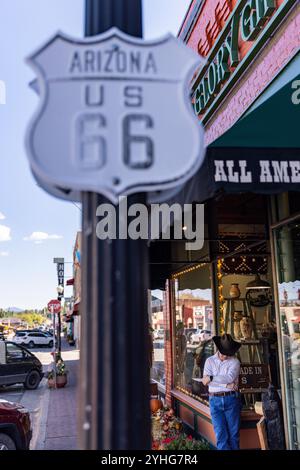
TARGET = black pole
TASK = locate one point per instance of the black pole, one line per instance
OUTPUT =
(59, 331)
(59, 297)
(114, 382)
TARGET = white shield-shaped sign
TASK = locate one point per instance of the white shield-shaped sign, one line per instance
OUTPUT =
(115, 115)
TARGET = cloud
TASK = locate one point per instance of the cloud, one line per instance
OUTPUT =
(2, 216)
(4, 233)
(4, 253)
(40, 237)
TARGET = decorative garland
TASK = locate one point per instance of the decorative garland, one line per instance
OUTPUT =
(188, 270)
(220, 294)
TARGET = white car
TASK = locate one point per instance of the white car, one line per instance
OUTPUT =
(201, 335)
(159, 334)
(34, 338)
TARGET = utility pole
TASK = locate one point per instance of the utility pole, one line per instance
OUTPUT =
(115, 376)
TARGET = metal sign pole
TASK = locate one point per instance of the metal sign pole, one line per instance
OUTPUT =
(60, 277)
(115, 382)
(53, 348)
(59, 330)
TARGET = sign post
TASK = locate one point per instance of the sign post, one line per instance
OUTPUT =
(54, 308)
(115, 377)
(60, 265)
(54, 305)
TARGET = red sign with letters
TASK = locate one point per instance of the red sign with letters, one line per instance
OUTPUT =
(54, 306)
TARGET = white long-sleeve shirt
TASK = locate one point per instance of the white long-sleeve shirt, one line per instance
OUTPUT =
(223, 372)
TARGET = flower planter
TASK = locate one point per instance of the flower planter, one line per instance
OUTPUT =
(51, 383)
(61, 381)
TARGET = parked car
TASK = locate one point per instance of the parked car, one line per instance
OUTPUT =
(188, 333)
(201, 335)
(159, 334)
(15, 426)
(33, 338)
(204, 350)
(24, 332)
(21, 332)
(48, 333)
(18, 365)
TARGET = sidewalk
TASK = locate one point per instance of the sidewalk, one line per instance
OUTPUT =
(61, 423)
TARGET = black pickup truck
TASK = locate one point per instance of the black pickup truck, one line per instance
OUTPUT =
(18, 365)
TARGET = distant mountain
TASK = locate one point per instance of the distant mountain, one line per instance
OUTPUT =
(15, 309)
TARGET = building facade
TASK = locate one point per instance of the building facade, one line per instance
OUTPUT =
(247, 275)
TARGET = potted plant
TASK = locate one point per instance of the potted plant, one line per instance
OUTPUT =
(51, 379)
(57, 376)
(61, 374)
(168, 433)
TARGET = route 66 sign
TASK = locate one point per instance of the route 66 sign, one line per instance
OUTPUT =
(115, 115)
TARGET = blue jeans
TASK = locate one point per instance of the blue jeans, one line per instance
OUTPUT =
(226, 416)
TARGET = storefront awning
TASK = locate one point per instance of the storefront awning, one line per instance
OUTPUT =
(261, 152)
(70, 282)
(76, 308)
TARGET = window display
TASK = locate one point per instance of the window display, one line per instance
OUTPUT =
(247, 311)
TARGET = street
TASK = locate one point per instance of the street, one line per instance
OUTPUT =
(53, 412)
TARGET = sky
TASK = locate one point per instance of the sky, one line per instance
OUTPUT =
(34, 226)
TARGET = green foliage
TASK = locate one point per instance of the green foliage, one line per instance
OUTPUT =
(184, 442)
(50, 374)
(59, 369)
(32, 318)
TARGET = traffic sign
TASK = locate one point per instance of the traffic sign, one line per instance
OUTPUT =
(54, 306)
(115, 115)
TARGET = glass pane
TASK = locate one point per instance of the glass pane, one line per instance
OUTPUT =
(287, 240)
(13, 353)
(157, 328)
(194, 330)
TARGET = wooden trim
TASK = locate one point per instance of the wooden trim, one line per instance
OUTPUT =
(262, 434)
(201, 408)
(191, 402)
(191, 16)
(161, 388)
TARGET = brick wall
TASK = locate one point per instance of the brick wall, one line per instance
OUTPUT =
(213, 15)
(273, 57)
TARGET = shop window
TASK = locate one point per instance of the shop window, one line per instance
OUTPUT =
(285, 205)
(157, 327)
(194, 327)
(287, 250)
(246, 310)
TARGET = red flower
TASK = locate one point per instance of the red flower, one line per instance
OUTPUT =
(167, 440)
(190, 438)
(155, 445)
